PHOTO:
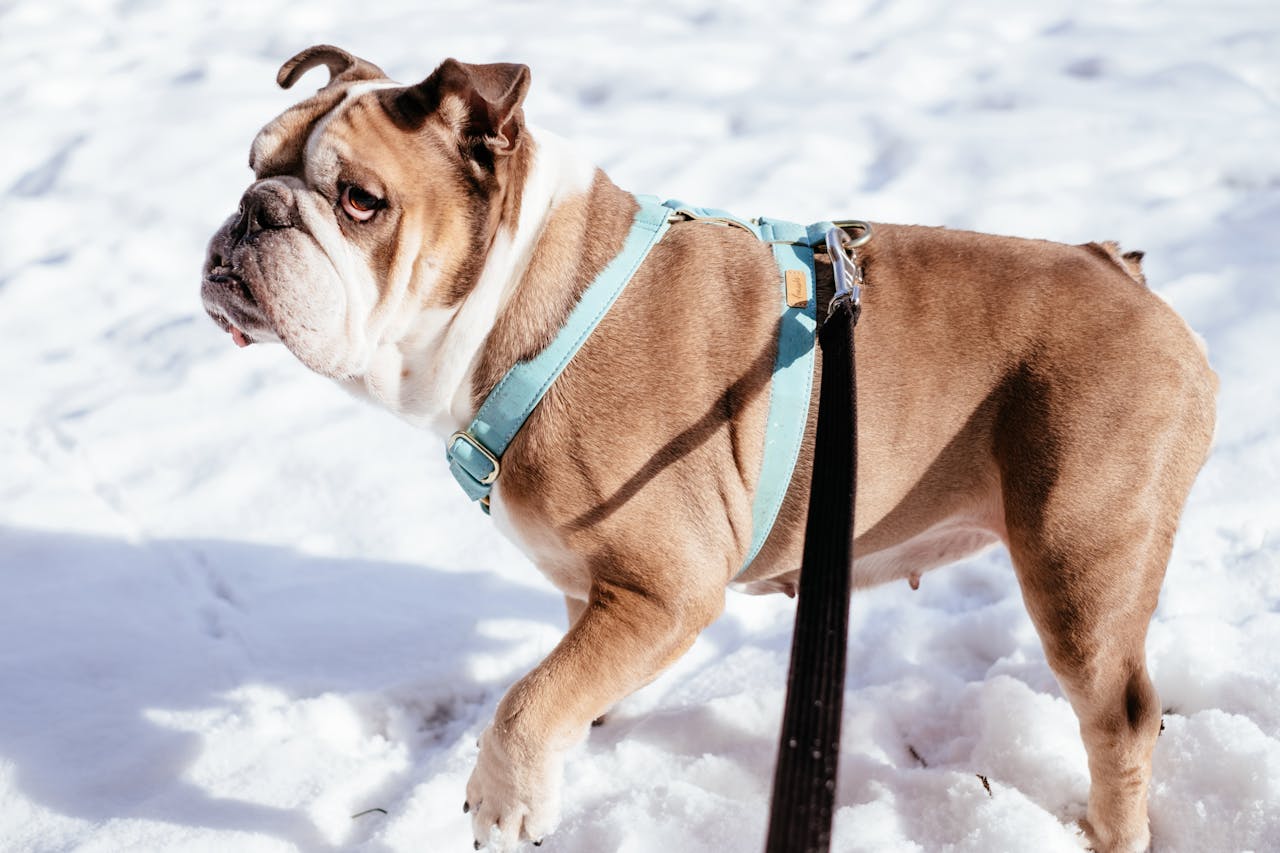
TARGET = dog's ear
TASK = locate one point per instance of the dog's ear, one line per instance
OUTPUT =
(343, 67)
(481, 103)
(279, 146)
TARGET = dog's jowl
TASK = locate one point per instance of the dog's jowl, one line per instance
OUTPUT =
(414, 242)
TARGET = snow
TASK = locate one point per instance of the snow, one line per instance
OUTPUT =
(240, 608)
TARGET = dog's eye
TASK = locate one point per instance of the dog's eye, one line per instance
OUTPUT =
(359, 204)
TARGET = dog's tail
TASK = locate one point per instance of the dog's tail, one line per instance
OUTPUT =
(1130, 262)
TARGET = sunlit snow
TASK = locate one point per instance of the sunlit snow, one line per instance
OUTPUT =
(239, 607)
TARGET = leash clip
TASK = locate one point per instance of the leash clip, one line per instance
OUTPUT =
(844, 260)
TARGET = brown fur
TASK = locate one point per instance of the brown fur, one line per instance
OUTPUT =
(1009, 390)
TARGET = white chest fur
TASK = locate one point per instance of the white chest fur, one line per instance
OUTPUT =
(424, 374)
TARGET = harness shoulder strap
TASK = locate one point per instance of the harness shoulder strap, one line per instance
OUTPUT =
(475, 453)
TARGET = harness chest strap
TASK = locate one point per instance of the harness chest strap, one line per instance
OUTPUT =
(475, 453)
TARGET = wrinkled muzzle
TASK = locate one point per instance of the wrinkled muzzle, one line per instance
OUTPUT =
(267, 278)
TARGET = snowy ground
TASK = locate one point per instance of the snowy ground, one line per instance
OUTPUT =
(239, 608)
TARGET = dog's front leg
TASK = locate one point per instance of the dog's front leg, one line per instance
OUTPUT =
(623, 639)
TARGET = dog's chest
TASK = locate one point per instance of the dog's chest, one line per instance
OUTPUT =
(566, 570)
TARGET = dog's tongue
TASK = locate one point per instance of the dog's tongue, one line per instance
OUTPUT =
(239, 337)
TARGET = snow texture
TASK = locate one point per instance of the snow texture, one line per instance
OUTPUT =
(240, 607)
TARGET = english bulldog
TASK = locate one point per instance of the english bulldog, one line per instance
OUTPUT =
(413, 242)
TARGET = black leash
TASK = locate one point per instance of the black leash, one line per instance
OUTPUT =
(804, 782)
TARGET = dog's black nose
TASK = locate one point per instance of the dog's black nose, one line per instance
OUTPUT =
(265, 205)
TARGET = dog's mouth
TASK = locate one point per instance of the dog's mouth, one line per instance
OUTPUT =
(230, 303)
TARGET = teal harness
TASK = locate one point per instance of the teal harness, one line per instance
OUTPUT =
(475, 454)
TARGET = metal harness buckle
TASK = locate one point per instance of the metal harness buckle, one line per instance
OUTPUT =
(684, 214)
(463, 435)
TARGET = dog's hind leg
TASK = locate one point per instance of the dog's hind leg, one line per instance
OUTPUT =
(1091, 609)
(1092, 493)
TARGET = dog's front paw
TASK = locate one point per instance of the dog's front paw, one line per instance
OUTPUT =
(1138, 840)
(513, 794)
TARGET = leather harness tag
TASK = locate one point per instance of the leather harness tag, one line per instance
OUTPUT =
(797, 288)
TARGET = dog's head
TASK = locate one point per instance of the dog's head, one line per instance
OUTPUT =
(372, 203)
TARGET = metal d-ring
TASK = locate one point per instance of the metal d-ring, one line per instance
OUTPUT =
(861, 239)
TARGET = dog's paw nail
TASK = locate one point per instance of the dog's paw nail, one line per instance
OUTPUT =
(477, 845)
(466, 806)
(597, 722)
(538, 843)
